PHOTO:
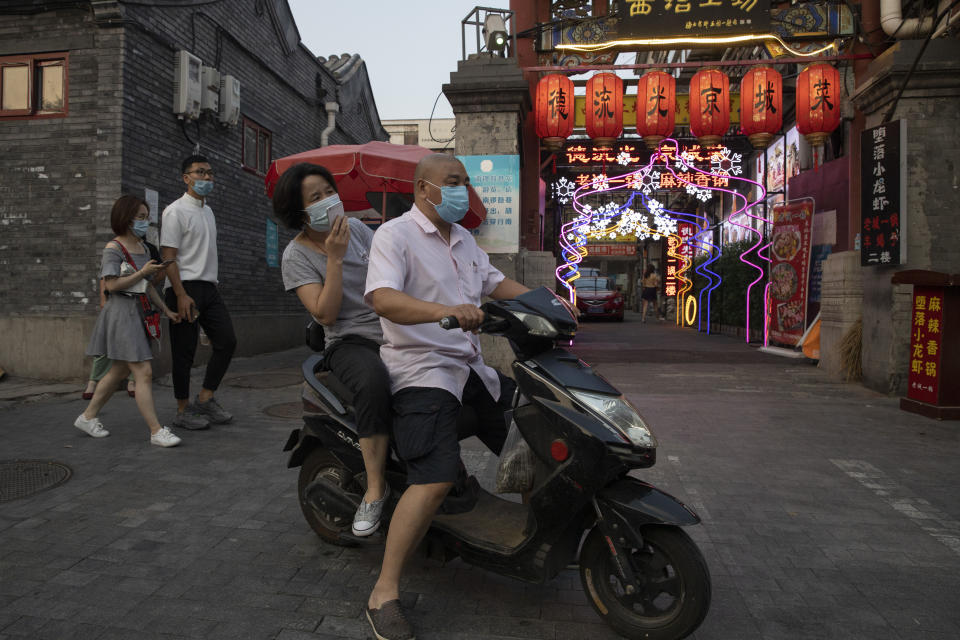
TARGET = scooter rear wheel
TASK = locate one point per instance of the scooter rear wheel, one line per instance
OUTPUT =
(321, 463)
(672, 593)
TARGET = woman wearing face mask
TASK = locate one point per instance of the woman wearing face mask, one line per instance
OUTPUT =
(102, 364)
(119, 333)
(326, 264)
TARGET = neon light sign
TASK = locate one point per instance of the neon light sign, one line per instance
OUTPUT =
(612, 220)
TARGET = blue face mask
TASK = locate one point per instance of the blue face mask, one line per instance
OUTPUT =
(202, 187)
(323, 212)
(454, 202)
(140, 227)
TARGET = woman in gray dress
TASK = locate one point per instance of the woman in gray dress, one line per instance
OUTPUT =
(119, 332)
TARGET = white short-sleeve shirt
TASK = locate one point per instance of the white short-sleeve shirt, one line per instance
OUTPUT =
(409, 254)
(189, 227)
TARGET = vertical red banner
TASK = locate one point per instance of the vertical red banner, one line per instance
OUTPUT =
(789, 271)
(926, 327)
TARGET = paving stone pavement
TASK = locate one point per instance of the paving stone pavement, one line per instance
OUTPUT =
(827, 513)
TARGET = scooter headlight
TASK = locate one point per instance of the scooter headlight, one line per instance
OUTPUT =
(537, 325)
(618, 412)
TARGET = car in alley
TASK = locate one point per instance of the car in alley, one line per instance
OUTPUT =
(599, 297)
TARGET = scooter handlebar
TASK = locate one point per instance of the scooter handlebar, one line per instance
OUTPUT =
(449, 322)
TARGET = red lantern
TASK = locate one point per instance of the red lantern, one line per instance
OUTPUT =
(761, 105)
(709, 106)
(656, 107)
(554, 110)
(818, 102)
(604, 106)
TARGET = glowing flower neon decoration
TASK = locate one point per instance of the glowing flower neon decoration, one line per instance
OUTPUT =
(563, 190)
(726, 163)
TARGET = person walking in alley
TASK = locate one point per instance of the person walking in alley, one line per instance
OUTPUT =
(326, 265)
(188, 235)
(424, 267)
(119, 333)
(650, 285)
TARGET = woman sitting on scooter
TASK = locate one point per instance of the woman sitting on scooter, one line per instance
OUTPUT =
(326, 264)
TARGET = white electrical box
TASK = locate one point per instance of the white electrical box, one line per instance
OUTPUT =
(210, 91)
(229, 100)
(187, 85)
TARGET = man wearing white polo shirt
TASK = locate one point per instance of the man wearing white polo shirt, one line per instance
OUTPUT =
(424, 267)
(188, 236)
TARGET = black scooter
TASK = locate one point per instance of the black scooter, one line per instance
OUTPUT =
(640, 571)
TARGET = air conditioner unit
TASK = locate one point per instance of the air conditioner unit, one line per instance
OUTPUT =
(229, 100)
(210, 90)
(186, 85)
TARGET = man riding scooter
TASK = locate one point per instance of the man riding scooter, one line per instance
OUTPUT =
(424, 267)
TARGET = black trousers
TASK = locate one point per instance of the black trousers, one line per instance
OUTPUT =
(356, 363)
(216, 323)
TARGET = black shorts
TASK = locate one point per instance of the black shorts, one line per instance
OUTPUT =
(425, 426)
(649, 293)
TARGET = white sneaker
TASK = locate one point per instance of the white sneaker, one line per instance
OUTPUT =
(367, 518)
(92, 427)
(164, 438)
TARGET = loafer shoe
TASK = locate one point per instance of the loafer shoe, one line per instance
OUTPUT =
(389, 623)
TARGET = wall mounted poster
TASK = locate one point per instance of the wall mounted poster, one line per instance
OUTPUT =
(496, 180)
(789, 271)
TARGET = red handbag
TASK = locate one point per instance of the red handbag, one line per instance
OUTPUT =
(149, 315)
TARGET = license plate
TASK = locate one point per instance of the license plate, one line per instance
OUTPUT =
(595, 308)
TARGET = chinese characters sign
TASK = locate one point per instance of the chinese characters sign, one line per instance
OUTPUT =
(496, 180)
(613, 249)
(926, 341)
(789, 271)
(677, 247)
(666, 18)
(883, 194)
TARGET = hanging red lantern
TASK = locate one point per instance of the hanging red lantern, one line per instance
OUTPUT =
(761, 105)
(604, 107)
(709, 106)
(818, 102)
(554, 110)
(656, 107)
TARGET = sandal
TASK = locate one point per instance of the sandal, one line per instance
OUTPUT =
(88, 392)
(131, 390)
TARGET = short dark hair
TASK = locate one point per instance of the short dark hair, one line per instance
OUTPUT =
(288, 197)
(190, 161)
(124, 211)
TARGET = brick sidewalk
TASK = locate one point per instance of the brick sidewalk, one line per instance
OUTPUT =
(828, 513)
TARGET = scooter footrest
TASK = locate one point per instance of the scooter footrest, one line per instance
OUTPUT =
(327, 497)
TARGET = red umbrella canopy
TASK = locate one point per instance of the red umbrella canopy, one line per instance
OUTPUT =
(365, 172)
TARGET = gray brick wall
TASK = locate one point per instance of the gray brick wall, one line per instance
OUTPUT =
(59, 175)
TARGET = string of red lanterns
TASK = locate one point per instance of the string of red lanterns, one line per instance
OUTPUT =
(761, 106)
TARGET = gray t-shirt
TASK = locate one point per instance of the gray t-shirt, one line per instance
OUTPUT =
(302, 265)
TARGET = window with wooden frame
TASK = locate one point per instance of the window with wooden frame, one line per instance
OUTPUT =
(33, 86)
(257, 147)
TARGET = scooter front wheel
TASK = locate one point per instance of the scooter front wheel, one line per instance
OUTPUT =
(320, 463)
(671, 595)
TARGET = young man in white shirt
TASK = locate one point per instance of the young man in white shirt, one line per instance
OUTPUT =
(424, 267)
(188, 236)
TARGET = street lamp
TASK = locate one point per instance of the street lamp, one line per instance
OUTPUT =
(495, 33)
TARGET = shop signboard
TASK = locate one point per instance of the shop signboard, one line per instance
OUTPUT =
(923, 380)
(671, 18)
(883, 194)
(273, 244)
(496, 179)
(676, 247)
(789, 271)
(681, 111)
(612, 249)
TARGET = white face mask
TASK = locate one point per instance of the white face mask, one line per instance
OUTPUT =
(323, 212)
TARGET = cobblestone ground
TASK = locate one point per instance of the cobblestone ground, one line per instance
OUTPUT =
(827, 513)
